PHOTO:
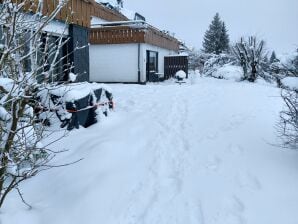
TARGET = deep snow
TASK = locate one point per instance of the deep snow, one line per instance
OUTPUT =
(199, 153)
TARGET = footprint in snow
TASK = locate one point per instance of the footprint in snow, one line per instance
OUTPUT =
(248, 181)
(231, 211)
(213, 163)
(212, 136)
(233, 205)
(236, 149)
(234, 219)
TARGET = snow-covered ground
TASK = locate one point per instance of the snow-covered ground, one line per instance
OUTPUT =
(199, 153)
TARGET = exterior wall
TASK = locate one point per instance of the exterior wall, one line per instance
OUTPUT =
(120, 62)
(114, 63)
(161, 54)
(79, 58)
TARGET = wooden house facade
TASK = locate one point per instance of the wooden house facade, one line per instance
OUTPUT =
(129, 52)
(112, 47)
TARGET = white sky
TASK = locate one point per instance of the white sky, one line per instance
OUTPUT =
(276, 21)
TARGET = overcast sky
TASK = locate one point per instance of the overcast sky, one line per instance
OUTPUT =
(276, 21)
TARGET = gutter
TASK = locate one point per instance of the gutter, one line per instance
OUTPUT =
(139, 63)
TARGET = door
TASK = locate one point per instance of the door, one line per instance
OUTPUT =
(151, 65)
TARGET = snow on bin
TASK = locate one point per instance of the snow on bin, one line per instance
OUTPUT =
(180, 76)
(78, 103)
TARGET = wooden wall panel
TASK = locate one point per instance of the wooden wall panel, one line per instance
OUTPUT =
(123, 34)
(116, 35)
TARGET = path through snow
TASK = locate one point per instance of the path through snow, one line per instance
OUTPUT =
(189, 154)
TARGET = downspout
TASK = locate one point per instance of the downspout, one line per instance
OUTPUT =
(139, 63)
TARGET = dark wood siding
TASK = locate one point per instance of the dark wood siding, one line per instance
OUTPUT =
(173, 64)
(124, 34)
(76, 12)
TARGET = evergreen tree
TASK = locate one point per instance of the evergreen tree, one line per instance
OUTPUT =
(120, 4)
(216, 39)
(273, 57)
(296, 64)
(224, 40)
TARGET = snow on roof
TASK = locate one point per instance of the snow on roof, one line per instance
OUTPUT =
(128, 13)
(95, 20)
(56, 27)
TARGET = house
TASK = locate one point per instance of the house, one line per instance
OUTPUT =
(78, 15)
(129, 51)
(73, 23)
(109, 44)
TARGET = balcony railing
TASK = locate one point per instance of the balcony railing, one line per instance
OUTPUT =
(130, 34)
(116, 35)
(77, 12)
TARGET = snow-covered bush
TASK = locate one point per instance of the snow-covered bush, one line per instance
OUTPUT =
(285, 65)
(216, 62)
(229, 72)
(197, 60)
(290, 83)
(25, 52)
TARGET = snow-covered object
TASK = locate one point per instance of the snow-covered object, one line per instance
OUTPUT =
(286, 60)
(96, 21)
(290, 83)
(72, 77)
(75, 91)
(63, 99)
(180, 74)
(4, 115)
(56, 27)
(6, 83)
(229, 72)
(214, 62)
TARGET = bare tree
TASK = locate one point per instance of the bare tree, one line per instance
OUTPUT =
(29, 59)
(288, 125)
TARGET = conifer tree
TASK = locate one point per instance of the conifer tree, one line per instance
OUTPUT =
(216, 39)
(120, 4)
(273, 57)
(296, 64)
(224, 40)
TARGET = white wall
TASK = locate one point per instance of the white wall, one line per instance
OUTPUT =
(114, 63)
(161, 54)
(119, 62)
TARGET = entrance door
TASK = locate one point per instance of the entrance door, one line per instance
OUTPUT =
(151, 65)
